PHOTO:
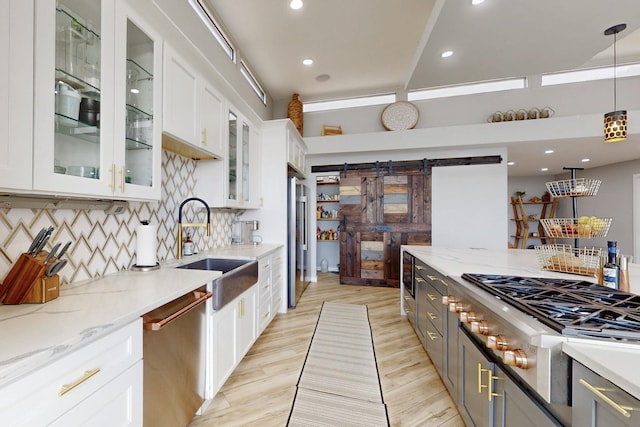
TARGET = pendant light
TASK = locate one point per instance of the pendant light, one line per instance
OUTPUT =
(615, 122)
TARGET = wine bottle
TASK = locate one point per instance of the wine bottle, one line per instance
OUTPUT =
(611, 270)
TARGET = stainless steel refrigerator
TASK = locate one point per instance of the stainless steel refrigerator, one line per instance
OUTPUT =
(298, 238)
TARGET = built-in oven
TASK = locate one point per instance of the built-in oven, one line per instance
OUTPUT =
(408, 290)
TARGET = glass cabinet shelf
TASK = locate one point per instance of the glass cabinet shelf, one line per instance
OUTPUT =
(70, 126)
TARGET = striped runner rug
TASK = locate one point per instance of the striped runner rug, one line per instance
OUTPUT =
(339, 384)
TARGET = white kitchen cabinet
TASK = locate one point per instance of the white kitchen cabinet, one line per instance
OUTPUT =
(296, 150)
(194, 111)
(106, 373)
(233, 332)
(108, 145)
(278, 281)
(269, 288)
(264, 292)
(113, 406)
(234, 182)
(16, 85)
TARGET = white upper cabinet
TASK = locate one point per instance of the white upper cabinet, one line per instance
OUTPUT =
(16, 104)
(296, 150)
(235, 181)
(193, 110)
(98, 75)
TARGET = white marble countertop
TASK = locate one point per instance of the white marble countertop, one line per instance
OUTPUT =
(615, 361)
(33, 335)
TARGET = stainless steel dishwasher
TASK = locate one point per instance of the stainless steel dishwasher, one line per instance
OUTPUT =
(174, 359)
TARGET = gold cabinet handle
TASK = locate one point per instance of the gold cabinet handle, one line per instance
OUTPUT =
(598, 391)
(112, 171)
(419, 267)
(490, 385)
(66, 388)
(432, 336)
(431, 297)
(480, 371)
(431, 315)
(419, 279)
(122, 179)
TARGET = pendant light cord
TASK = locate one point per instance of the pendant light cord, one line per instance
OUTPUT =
(615, 91)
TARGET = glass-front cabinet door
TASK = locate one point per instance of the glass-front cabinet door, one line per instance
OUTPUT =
(138, 82)
(72, 113)
(232, 160)
(89, 135)
(246, 137)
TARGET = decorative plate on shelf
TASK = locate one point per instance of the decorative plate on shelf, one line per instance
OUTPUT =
(400, 115)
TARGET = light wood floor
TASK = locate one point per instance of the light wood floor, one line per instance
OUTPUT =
(261, 389)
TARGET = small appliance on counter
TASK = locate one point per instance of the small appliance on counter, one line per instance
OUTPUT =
(242, 233)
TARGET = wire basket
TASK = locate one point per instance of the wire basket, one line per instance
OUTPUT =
(574, 187)
(567, 259)
(583, 227)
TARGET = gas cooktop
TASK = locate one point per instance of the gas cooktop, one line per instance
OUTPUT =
(571, 307)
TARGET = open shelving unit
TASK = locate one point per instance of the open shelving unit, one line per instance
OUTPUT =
(523, 219)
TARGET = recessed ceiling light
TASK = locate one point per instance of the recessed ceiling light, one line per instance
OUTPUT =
(307, 61)
(297, 4)
(476, 2)
(548, 151)
(511, 163)
(586, 160)
(544, 169)
(323, 77)
(446, 53)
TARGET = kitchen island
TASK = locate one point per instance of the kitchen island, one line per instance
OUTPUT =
(517, 343)
(35, 336)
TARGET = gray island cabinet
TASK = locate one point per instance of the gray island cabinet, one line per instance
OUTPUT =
(485, 394)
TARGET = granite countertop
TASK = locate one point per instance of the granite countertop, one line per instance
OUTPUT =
(34, 335)
(614, 361)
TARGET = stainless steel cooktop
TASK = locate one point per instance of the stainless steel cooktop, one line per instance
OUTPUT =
(572, 307)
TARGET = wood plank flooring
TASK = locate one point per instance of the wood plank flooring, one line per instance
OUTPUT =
(261, 389)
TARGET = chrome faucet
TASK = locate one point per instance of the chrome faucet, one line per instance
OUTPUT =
(180, 224)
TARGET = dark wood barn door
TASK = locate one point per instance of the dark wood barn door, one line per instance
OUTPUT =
(378, 214)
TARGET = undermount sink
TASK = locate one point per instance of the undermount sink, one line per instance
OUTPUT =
(238, 275)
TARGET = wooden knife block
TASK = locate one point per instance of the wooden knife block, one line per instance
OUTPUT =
(26, 282)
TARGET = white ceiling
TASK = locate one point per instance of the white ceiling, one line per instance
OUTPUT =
(378, 46)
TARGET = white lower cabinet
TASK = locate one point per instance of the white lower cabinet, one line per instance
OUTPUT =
(99, 384)
(233, 332)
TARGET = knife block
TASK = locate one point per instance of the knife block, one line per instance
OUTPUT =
(43, 290)
(27, 275)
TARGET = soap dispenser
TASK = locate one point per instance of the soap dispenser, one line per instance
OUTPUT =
(187, 245)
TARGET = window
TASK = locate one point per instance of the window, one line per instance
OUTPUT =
(253, 82)
(348, 103)
(627, 70)
(468, 89)
(215, 28)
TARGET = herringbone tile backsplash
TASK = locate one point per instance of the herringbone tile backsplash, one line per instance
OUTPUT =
(104, 244)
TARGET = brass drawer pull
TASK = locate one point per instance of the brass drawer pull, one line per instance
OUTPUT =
(431, 315)
(432, 297)
(598, 392)
(432, 336)
(419, 279)
(68, 387)
(480, 371)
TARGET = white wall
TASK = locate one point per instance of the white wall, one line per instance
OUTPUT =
(565, 100)
(468, 206)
